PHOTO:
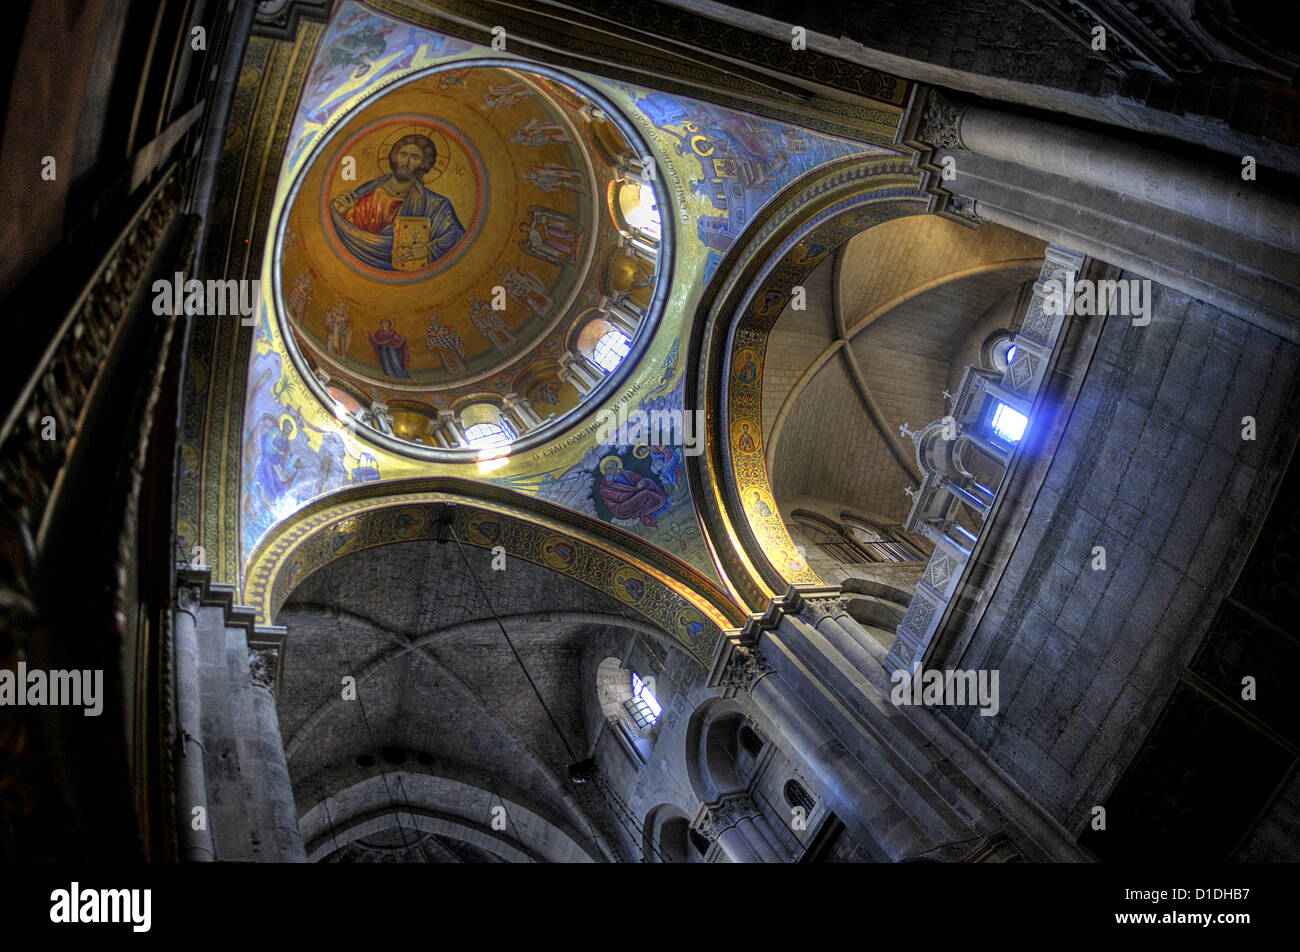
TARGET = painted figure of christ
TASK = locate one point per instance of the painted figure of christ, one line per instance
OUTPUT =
(365, 219)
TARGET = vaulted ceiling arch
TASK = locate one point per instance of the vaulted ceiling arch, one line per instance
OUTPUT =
(475, 675)
(442, 805)
(756, 280)
(668, 594)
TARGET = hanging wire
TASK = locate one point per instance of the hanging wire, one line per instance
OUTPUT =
(555, 725)
(608, 790)
(365, 719)
(624, 818)
(513, 650)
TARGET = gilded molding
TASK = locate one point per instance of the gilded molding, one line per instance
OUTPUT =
(677, 599)
(795, 233)
(261, 118)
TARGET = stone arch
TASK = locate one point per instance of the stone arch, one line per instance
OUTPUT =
(666, 836)
(673, 597)
(712, 738)
(443, 805)
(485, 625)
(803, 225)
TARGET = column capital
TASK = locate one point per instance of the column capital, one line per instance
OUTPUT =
(189, 595)
(940, 126)
(730, 810)
(708, 827)
(965, 207)
(813, 609)
(745, 668)
(379, 413)
(264, 667)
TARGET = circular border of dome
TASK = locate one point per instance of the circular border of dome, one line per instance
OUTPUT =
(649, 325)
(449, 134)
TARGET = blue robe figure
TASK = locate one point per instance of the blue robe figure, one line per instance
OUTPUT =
(666, 461)
(391, 350)
(277, 468)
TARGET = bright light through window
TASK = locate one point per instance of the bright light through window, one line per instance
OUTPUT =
(1011, 353)
(485, 434)
(1009, 424)
(643, 707)
(645, 217)
(611, 349)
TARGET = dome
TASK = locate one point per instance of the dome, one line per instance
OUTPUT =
(449, 242)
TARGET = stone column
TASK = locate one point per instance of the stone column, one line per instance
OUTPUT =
(823, 615)
(758, 830)
(995, 453)
(618, 315)
(455, 436)
(719, 824)
(435, 432)
(966, 496)
(748, 826)
(573, 380)
(1165, 180)
(579, 373)
(593, 371)
(939, 536)
(383, 420)
(855, 791)
(191, 775)
(927, 735)
(624, 300)
(1191, 225)
(640, 248)
(630, 167)
(263, 664)
(523, 408)
(1013, 400)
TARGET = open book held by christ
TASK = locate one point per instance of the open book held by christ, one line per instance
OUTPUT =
(411, 234)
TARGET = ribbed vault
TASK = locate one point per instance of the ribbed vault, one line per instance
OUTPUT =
(445, 725)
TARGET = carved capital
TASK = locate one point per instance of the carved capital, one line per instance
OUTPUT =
(815, 609)
(708, 827)
(941, 125)
(726, 813)
(745, 669)
(731, 810)
(188, 597)
(262, 666)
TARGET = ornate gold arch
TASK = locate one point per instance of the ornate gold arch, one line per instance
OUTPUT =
(670, 594)
(753, 285)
